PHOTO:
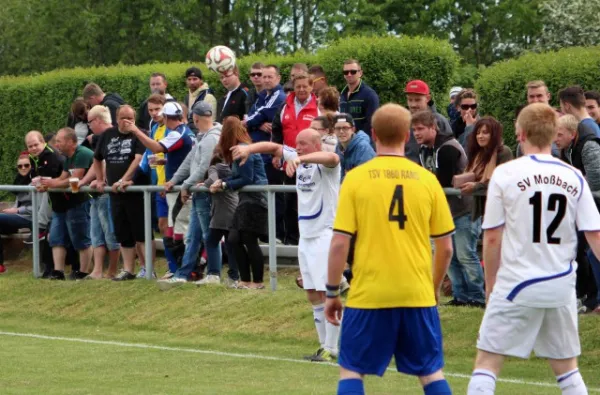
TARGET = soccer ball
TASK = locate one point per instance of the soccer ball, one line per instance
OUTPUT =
(220, 59)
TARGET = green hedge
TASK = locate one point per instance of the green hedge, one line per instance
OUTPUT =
(42, 102)
(502, 86)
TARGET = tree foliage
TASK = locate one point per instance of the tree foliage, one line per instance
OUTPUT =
(569, 23)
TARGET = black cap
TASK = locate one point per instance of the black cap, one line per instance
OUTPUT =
(344, 118)
(193, 72)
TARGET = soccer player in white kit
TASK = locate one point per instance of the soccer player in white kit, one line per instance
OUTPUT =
(535, 205)
(318, 177)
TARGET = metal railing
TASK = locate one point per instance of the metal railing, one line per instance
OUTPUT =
(149, 239)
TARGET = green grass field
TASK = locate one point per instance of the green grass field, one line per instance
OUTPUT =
(101, 337)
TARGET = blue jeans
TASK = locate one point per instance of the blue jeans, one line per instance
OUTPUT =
(197, 233)
(465, 270)
(71, 228)
(11, 223)
(101, 227)
(595, 263)
(215, 259)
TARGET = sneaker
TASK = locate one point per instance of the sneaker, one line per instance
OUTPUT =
(2, 268)
(124, 276)
(316, 354)
(211, 279)
(41, 235)
(80, 275)
(57, 275)
(231, 283)
(173, 282)
(167, 275)
(456, 303)
(142, 273)
(344, 286)
(325, 356)
(479, 305)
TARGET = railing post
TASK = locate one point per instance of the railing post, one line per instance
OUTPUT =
(35, 232)
(148, 239)
(272, 243)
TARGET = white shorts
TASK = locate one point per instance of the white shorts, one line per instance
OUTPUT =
(313, 255)
(514, 330)
(180, 226)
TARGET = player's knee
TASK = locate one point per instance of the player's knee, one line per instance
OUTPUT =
(489, 361)
(315, 297)
(562, 366)
(349, 374)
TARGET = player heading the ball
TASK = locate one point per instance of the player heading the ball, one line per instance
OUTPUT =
(394, 206)
(529, 246)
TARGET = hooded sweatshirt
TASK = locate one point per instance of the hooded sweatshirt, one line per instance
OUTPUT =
(412, 147)
(358, 151)
(225, 203)
(446, 159)
(113, 101)
(194, 167)
(23, 202)
(204, 94)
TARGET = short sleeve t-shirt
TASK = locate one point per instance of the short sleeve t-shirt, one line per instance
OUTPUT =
(158, 133)
(81, 159)
(541, 202)
(178, 143)
(393, 207)
(318, 188)
(118, 150)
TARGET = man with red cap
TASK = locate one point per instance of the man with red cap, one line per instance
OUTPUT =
(418, 98)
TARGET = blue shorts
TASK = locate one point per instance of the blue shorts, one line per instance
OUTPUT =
(162, 208)
(71, 228)
(370, 337)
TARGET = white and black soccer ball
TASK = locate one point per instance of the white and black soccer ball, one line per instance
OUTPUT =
(220, 59)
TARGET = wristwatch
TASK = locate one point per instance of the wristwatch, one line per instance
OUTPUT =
(223, 185)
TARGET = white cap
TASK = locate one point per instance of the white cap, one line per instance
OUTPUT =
(172, 109)
(454, 91)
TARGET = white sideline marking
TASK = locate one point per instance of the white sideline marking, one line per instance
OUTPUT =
(248, 356)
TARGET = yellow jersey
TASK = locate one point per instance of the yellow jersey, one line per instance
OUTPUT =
(393, 207)
(161, 175)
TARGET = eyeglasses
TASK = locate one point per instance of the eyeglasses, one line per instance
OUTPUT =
(90, 121)
(255, 74)
(320, 129)
(465, 107)
(348, 72)
(342, 128)
(318, 79)
(26, 166)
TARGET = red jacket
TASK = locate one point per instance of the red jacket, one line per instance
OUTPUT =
(290, 124)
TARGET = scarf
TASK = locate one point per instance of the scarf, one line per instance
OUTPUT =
(483, 171)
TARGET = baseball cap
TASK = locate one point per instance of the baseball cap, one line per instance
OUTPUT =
(455, 91)
(417, 86)
(202, 109)
(193, 72)
(344, 118)
(171, 109)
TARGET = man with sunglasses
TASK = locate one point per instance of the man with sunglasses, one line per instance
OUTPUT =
(317, 74)
(466, 104)
(257, 80)
(234, 102)
(357, 98)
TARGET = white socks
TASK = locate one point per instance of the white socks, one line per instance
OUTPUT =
(483, 382)
(571, 383)
(319, 315)
(331, 338)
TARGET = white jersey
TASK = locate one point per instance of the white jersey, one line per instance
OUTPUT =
(541, 202)
(318, 189)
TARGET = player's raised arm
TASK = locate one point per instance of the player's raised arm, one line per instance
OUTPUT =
(243, 151)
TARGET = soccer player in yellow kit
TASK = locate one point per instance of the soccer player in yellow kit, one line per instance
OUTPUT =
(393, 207)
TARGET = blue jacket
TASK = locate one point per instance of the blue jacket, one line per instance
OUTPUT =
(361, 104)
(262, 111)
(358, 152)
(251, 173)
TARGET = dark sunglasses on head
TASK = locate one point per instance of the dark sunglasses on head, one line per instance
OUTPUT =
(465, 107)
(255, 74)
(27, 166)
(348, 72)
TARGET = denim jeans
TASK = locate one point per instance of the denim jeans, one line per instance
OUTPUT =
(102, 229)
(71, 227)
(465, 270)
(595, 263)
(215, 258)
(197, 233)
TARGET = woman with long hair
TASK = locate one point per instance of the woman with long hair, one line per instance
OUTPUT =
(250, 218)
(486, 151)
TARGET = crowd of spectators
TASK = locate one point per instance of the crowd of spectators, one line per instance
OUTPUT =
(108, 144)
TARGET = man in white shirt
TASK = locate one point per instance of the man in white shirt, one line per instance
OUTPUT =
(317, 183)
(535, 205)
